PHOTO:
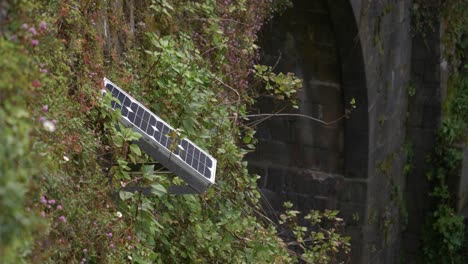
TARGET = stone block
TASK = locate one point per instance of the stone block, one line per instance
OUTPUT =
(411, 247)
(422, 139)
(321, 159)
(275, 152)
(281, 129)
(353, 214)
(463, 182)
(323, 137)
(316, 183)
(352, 191)
(432, 73)
(308, 202)
(356, 243)
(415, 116)
(356, 157)
(429, 91)
(420, 50)
(431, 116)
(416, 221)
(276, 179)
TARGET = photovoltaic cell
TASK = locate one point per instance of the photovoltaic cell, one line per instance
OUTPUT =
(181, 151)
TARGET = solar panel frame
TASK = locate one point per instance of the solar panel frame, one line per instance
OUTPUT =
(159, 149)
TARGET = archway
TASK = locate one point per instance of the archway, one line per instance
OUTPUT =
(317, 166)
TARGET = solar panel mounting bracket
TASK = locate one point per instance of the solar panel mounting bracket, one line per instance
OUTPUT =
(135, 168)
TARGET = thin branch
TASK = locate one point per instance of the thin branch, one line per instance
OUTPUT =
(219, 19)
(237, 93)
(254, 123)
(297, 115)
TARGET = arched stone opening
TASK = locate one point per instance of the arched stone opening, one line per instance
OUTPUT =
(316, 166)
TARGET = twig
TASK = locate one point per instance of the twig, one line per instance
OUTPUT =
(298, 115)
(234, 90)
(254, 123)
(219, 19)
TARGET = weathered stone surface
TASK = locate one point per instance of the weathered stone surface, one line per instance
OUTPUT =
(361, 50)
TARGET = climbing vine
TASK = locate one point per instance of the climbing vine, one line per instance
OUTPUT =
(445, 238)
(66, 162)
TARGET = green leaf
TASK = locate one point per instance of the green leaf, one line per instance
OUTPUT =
(135, 149)
(147, 170)
(123, 164)
(125, 195)
(158, 190)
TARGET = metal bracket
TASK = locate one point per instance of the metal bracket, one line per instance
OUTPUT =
(173, 189)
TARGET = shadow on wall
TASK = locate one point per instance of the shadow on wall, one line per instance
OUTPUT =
(315, 166)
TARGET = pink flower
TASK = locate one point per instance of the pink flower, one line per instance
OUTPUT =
(63, 219)
(52, 201)
(36, 83)
(45, 108)
(112, 245)
(59, 207)
(42, 119)
(43, 200)
(24, 26)
(43, 214)
(109, 234)
(34, 42)
(44, 70)
(129, 237)
(33, 31)
(43, 25)
(85, 250)
(54, 121)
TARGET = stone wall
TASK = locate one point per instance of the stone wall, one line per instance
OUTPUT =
(371, 166)
(295, 155)
(424, 110)
(343, 50)
(386, 43)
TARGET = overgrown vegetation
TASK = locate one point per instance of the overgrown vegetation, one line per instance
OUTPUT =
(445, 238)
(64, 162)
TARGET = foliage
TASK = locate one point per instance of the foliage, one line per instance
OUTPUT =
(319, 237)
(444, 240)
(424, 16)
(281, 85)
(16, 165)
(64, 162)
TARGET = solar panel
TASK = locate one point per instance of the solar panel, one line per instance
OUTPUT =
(180, 155)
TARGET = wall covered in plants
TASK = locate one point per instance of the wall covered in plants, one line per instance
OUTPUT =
(64, 162)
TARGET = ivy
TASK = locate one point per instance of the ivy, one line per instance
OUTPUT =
(68, 192)
(445, 239)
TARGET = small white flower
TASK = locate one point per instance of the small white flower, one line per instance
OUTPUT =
(119, 214)
(65, 158)
(129, 257)
(49, 126)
